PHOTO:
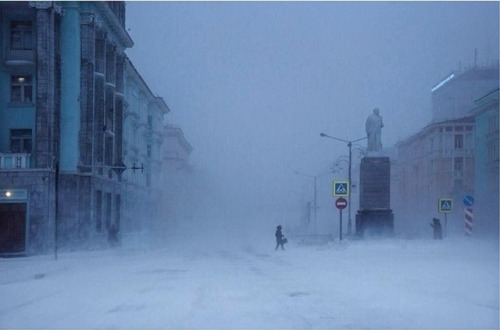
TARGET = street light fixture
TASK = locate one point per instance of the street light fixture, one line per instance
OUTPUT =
(337, 167)
(349, 145)
(315, 196)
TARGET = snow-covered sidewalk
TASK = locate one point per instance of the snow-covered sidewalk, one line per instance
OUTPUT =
(355, 284)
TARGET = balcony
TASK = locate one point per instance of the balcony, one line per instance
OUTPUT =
(14, 161)
(19, 57)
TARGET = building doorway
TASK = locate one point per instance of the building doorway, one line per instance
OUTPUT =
(12, 227)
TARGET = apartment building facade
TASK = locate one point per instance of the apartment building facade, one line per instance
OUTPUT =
(439, 161)
(144, 140)
(486, 165)
(80, 131)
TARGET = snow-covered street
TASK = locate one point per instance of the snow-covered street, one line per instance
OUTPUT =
(357, 284)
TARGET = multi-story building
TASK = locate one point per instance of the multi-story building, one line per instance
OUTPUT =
(67, 92)
(438, 161)
(177, 181)
(144, 139)
(486, 166)
(454, 96)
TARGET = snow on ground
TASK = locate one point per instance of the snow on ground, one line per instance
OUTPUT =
(395, 283)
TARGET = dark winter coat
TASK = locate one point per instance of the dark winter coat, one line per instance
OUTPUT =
(438, 230)
(279, 235)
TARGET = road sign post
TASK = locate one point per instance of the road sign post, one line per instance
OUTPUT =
(341, 204)
(469, 214)
(468, 221)
(445, 205)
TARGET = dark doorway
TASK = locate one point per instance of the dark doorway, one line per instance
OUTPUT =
(12, 227)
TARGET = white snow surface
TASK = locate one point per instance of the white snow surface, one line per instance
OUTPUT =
(392, 283)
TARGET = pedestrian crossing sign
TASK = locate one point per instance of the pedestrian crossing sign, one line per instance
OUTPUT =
(340, 188)
(445, 205)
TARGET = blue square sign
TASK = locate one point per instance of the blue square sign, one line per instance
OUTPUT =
(341, 188)
(445, 205)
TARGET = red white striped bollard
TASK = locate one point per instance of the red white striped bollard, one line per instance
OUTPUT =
(469, 219)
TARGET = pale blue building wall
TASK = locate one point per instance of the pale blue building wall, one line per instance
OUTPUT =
(13, 116)
(486, 165)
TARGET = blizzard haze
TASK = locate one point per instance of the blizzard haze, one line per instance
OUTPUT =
(389, 284)
(253, 84)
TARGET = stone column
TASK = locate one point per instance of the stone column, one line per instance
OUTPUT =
(45, 119)
(88, 66)
(119, 110)
(99, 98)
(70, 88)
(109, 137)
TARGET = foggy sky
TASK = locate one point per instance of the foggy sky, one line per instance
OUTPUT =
(252, 84)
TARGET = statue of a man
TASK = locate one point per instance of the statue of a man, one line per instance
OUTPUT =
(374, 126)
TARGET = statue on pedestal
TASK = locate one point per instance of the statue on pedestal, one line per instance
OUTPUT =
(374, 126)
(375, 217)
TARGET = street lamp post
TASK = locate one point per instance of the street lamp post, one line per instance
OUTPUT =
(349, 145)
(315, 196)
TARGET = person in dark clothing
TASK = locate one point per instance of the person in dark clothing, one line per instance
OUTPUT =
(113, 235)
(438, 231)
(280, 238)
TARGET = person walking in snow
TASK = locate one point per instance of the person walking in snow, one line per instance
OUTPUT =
(113, 235)
(438, 231)
(280, 238)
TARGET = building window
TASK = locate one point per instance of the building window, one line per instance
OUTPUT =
(458, 185)
(109, 208)
(469, 141)
(118, 207)
(459, 164)
(492, 148)
(493, 124)
(21, 35)
(459, 141)
(21, 89)
(98, 211)
(150, 123)
(20, 141)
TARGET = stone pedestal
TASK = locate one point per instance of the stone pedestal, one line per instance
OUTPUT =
(371, 223)
(375, 217)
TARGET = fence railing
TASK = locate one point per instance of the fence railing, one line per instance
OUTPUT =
(14, 161)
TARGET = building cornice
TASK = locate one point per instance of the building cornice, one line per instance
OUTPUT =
(424, 131)
(119, 31)
(172, 131)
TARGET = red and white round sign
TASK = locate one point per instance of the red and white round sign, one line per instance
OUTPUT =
(341, 203)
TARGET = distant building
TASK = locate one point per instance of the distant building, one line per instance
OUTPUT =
(75, 117)
(439, 161)
(454, 96)
(178, 204)
(486, 166)
(143, 140)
